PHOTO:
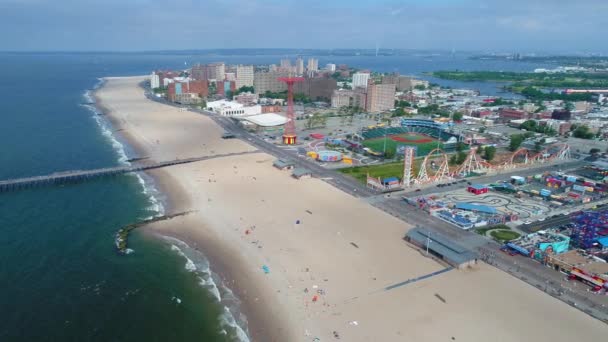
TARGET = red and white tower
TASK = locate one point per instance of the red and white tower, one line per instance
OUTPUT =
(289, 133)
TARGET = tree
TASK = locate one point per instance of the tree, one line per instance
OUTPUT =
(582, 132)
(420, 87)
(489, 152)
(458, 158)
(457, 116)
(569, 106)
(528, 135)
(529, 125)
(482, 129)
(389, 154)
(460, 146)
(398, 112)
(243, 89)
(402, 103)
(515, 143)
(538, 146)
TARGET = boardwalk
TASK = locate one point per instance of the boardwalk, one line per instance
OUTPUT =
(84, 175)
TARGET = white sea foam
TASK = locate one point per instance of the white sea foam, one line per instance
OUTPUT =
(147, 186)
(198, 264)
(227, 319)
(106, 131)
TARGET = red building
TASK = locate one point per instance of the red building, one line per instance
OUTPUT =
(481, 114)
(272, 109)
(223, 87)
(543, 115)
(477, 189)
(199, 88)
(509, 114)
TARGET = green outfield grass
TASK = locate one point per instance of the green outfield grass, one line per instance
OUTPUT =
(381, 170)
(423, 143)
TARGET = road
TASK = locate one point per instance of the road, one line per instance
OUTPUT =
(340, 181)
(524, 268)
(502, 175)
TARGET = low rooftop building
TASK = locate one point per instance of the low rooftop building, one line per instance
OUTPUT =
(301, 173)
(231, 108)
(541, 243)
(586, 267)
(283, 164)
(442, 247)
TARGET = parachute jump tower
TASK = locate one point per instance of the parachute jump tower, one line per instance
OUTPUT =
(289, 133)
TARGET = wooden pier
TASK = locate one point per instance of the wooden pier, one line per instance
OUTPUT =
(77, 176)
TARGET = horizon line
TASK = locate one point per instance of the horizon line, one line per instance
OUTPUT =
(143, 51)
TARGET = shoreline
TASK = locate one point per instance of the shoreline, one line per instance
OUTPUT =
(220, 262)
(175, 199)
(318, 285)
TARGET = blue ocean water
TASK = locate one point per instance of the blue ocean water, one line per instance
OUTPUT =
(62, 279)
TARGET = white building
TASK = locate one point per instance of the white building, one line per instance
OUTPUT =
(230, 108)
(360, 79)
(154, 81)
(299, 66)
(330, 67)
(244, 76)
(230, 76)
(313, 64)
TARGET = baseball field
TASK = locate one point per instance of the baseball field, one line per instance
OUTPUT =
(423, 143)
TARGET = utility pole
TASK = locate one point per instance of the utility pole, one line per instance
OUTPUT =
(384, 150)
(428, 242)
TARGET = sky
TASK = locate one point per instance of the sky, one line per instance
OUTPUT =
(463, 25)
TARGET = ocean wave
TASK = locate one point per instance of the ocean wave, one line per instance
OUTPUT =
(228, 320)
(147, 185)
(148, 189)
(198, 264)
(106, 131)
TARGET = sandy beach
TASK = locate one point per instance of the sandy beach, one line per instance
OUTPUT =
(327, 273)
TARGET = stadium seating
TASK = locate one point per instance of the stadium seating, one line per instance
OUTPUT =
(426, 127)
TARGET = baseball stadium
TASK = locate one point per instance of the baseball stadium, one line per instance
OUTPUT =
(424, 135)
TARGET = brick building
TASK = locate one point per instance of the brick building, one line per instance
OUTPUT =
(380, 97)
(197, 88)
(508, 114)
(562, 114)
(215, 71)
(223, 87)
(402, 83)
(268, 81)
(271, 109)
(348, 98)
(247, 98)
(316, 88)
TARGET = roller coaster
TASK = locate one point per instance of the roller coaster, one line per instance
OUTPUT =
(435, 167)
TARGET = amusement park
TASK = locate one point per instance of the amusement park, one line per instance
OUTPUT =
(434, 166)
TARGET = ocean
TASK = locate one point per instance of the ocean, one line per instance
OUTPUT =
(62, 278)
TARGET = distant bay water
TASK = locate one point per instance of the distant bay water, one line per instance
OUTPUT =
(62, 279)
